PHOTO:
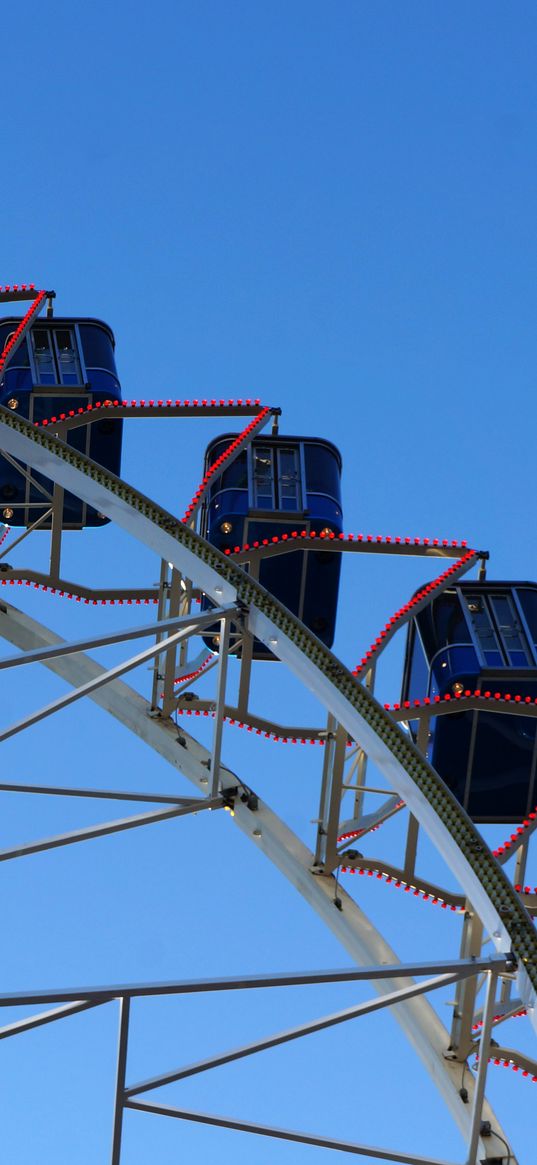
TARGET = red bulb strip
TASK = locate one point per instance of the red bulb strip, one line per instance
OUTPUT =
(498, 698)
(516, 1015)
(400, 884)
(23, 287)
(220, 461)
(478, 694)
(194, 674)
(400, 617)
(140, 404)
(360, 832)
(7, 530)
(502, 1062)
(331, 536)
(21, 582)
(22, 328)
(209, 714)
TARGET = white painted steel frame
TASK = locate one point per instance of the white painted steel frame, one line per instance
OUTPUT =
(41, 455)
(348, 923)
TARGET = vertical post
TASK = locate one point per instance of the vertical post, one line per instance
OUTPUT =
(361, 767)
(331, 788)
(247, 654)
(56, 531)
(411, 850)
(124, 1008)
(174, 600)
(220, 703)
(484, 1048)
(161, 612)
(462, 1037)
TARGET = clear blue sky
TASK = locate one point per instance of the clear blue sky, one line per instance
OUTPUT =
(332, 207)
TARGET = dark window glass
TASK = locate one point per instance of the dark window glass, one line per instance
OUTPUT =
(289, 492)
(263, 471)
(41, 342)
(322, 471)
(511, 634)
(64, 340)
(44, 357)
(97, 348)
(528, 599)
(483, 629)
(67, 356)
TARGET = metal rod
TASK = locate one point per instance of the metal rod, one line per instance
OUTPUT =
(409, 867)
(38, 522)
(174, 602)
(32, 1021)
(190, 624)
(195, 803)
(294, 1033)
(459, 967)
(56, 525)
(161, 613)
(98, 681)
(284, 1134)
(124, 1009)
(479, 1091)
(361, 762)
(28, 477)
(93, 831)
(220, 704)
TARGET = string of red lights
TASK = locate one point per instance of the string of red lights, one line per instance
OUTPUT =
(77, 598)
(216, 466)
(400, 884)
(504, 1062)
(18, 333)
(331, 536)
(401, 615)
(141, 404)
(193, 675)
(210, 713)
(496, 1019)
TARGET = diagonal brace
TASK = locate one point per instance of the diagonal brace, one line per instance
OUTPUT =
(295, 1033)
(104, 829)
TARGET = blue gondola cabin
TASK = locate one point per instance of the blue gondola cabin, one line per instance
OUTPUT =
(277, 485)
(61, 365)
(480, 636)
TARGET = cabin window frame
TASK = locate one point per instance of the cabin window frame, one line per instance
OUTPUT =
(510, 594)
(275, 450)
(50, 327)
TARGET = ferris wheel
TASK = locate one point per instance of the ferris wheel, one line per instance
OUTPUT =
(248, 581)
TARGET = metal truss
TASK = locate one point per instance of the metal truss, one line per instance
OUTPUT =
(343, 773)
(268, 832)
(72, 1001)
